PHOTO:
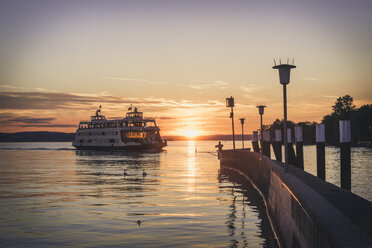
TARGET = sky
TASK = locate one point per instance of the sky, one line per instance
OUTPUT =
(177, 61)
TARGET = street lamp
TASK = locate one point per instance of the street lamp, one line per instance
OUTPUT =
(230, 104)
(242, 122)
(284, 75)
(261, 109)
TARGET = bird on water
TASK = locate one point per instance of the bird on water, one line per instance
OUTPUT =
(144, 173)
(125, 173)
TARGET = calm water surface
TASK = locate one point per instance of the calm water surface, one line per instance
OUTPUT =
(52, 195)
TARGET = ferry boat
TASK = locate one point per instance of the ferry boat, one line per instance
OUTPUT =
(132, 132)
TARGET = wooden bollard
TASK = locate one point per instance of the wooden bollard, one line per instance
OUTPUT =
(255, 145)
(266, 143)
(291, 152)
(345, 156)
(320, 150)
(277, 145)
(263, 143)
(299, 147)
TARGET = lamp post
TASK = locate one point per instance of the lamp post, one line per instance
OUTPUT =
(242, 122)
(284, 76)
(261, 109)
(230, 104)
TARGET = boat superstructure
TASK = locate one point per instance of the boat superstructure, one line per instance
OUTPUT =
(132, 132)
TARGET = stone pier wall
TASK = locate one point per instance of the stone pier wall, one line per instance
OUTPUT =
(304, 210)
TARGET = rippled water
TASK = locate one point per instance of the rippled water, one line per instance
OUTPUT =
(52, 195)
(361, 168)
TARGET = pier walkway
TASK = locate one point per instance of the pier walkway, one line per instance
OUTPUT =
(305, 211)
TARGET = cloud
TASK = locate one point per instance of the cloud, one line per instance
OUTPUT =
(312, 79)
(252, 88)
(27, 121)
(31, 120)
(49, 125)
(49, 100)
(164, 118)
(328, 97)
(216, 84)
(133, 80)
(73, 102)
(255, 93)
(11, 87)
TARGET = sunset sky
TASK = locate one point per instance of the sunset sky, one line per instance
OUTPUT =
(177, 61)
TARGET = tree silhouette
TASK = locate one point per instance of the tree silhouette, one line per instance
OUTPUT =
(343, 107)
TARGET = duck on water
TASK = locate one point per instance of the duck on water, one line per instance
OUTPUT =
(132, 132)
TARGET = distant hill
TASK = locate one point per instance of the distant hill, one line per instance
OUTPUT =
(68, 137)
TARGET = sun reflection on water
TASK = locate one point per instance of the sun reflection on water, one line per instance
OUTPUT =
(191, 165)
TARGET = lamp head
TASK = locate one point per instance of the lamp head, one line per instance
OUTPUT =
(242, 120)
(230, 102)
(284, 72)
(261, 109)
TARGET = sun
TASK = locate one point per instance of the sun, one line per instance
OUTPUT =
(190, 133)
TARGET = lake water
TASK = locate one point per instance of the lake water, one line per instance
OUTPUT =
(52, 195)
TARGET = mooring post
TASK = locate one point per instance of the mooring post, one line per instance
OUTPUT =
(278, 145)
(345, 156)
(320, 150)
(299, 147)
(255, 146)
(266, 138)
(290, 150)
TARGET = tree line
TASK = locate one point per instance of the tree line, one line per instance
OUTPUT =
(343, 109)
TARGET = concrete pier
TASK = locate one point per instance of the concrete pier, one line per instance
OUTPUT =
(304, 210)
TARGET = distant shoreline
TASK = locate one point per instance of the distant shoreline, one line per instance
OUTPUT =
(44, 136)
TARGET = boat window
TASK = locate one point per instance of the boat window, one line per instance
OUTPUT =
(135, 135)
(150, 124)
